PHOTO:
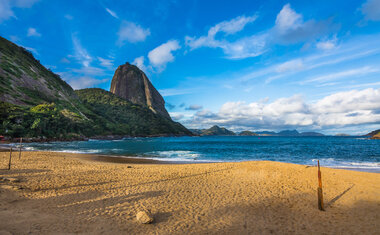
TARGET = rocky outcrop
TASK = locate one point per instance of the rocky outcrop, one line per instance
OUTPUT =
(130, 83)
(247, 133)
(25, 82)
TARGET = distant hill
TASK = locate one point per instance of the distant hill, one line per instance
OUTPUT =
(216, 130)
(288, 133)
(266, 133)
(311, 134)
(374, 134)
(197, 131)
(247, 133)
(36, 103)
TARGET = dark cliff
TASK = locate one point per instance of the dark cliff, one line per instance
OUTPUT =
(130, 83)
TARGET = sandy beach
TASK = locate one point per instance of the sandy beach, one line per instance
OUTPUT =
(60, 193)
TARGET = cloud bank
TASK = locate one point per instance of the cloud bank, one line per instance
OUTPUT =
(355, 107)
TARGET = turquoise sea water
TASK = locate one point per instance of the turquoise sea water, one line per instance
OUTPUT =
(338, 152)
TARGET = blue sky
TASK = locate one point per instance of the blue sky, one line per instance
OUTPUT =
(256, 65)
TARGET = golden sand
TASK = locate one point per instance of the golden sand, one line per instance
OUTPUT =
(71, 193)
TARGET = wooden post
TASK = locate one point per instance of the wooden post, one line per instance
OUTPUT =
(320, 192)
(19, 154)
(10, 159)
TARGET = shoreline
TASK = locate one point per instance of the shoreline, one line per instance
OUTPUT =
(125, 159)
(48, 192)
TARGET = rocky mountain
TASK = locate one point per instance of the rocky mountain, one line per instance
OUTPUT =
(36, 103)
(247, 133)
(216, 130)
(130, 83)
(24, 81)
(376, 137)
(374, 134)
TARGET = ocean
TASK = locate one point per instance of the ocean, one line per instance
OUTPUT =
(356, 153)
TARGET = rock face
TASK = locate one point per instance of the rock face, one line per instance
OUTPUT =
(130, 83)
(25, 82)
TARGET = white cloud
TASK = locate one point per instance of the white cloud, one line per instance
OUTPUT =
(371, 10)
(32, 32)
(242, 48)
(105, 62)
(81, 54)
(177, 91)
(139, 62)
(176, 116)
(298, 67)
(328, 44)
(292, 65)
(112, 13)
(131, 32)
(6, 7)
(288, 19)
(343, 74)
(355, 107)
(291, 28)
(232, 26)
(161, 55)
(85, 82)
(89, 70)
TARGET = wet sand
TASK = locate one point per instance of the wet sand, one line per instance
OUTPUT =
(94, 194)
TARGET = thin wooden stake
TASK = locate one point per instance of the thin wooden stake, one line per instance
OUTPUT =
(320, 192)
(19, 154)
(10, 159)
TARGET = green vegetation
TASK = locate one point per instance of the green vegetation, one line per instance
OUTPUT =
(105, 114)
(44, 120)
(114, 115)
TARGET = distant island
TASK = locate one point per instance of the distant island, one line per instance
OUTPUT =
(38, 105)
(221, 131)
(213, 131)
(247, 133)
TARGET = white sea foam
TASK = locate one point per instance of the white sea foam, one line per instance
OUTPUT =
(176, 156)
(77, 151)
(333, 163)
